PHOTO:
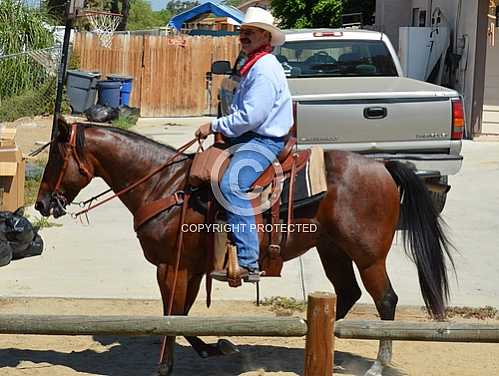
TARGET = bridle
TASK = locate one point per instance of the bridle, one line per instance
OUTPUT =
(61, 200)
(57, 195)
(71, 151)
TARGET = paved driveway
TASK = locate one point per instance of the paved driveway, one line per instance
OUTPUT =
(104, 259)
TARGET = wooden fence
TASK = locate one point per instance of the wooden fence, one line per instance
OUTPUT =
(318, 329)
(169, 72)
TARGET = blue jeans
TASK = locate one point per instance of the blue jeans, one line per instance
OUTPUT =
(254, 155)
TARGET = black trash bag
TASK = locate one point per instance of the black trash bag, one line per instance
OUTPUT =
(10, 225)
(34, 248)
(18, 237)
(3, 226)
(18, 247)
(102, 114)
(19, 229)
(5, 253)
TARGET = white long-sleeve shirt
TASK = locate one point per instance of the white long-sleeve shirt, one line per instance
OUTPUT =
(261, 104)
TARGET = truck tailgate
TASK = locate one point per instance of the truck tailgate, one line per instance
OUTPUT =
(372, 110)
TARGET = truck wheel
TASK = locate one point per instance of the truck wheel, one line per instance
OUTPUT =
(439, 198)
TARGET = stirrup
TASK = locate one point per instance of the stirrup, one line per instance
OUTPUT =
(246, 275)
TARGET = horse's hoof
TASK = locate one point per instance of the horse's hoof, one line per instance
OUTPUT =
(226, 347)
(375, 370)
(164, 369)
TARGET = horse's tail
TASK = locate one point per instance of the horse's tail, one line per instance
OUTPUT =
(424, 239)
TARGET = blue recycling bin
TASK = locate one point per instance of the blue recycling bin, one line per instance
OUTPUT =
(109, 93)
(126, 87)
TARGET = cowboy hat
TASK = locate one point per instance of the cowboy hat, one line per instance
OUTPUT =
(262, 19)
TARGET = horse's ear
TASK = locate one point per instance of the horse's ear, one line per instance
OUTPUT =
(62, 129)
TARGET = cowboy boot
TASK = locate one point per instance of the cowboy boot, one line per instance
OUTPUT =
(235, 273)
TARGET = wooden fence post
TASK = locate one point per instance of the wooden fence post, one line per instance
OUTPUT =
(319, 345)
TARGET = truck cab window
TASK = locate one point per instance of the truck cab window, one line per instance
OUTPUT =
(336, 58)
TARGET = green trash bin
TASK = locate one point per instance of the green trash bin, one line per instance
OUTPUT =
(81, 89)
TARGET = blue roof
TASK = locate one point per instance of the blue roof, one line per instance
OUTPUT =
(208, 7)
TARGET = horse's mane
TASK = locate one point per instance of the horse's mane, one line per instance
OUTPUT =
(129, 134)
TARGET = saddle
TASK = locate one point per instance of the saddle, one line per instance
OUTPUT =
(278, 179)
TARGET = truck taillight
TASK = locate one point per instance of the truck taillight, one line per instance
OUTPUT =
(457, 119)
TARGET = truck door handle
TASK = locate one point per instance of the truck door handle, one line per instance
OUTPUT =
(375, 112)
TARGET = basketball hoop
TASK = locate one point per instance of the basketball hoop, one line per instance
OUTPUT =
(104, 24)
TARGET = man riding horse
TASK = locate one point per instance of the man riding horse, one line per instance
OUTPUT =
(261, 117)
(356, 220)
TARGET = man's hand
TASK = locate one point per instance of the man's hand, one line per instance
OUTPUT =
(204, 131)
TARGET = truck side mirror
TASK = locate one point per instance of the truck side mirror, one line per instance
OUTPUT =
(221, 67)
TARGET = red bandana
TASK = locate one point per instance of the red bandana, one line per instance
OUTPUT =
(254, 56)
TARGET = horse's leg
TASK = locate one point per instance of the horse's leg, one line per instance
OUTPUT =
(378, 284)
(165, 277)
(203, 349)
(339, 270)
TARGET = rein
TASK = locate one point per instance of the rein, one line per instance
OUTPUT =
(138, 182)
(179, 197)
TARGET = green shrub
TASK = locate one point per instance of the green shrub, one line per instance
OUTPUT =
(36, 101)
(22, 28)
(125, 121)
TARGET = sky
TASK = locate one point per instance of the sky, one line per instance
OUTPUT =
(158, 4)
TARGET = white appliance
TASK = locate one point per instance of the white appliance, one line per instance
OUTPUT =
(420, 49)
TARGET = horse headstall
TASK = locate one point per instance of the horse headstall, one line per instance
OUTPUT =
(70, 150)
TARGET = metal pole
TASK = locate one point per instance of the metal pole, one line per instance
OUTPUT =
(62, 69)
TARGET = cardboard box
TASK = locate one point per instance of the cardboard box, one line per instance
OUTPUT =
(12, 170)
(7, 136)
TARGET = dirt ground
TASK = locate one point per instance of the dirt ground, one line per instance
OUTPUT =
(31, 132)
(136, 356)
(118, 356)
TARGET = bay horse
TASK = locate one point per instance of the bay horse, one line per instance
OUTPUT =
(365, 203)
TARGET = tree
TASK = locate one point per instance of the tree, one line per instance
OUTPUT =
(306, 13)
(23, 28)
(233, 3)
(142, 17)
(177, 6)
(124, 11)
(56, 9)
(366, 7)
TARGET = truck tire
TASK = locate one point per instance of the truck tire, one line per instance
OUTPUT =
(439, 198)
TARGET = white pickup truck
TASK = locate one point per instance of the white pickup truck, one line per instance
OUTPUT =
(350, 93)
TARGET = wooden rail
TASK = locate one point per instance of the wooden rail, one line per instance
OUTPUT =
(418, 331)
(244, 326)
(151, 325)
(318, 329)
